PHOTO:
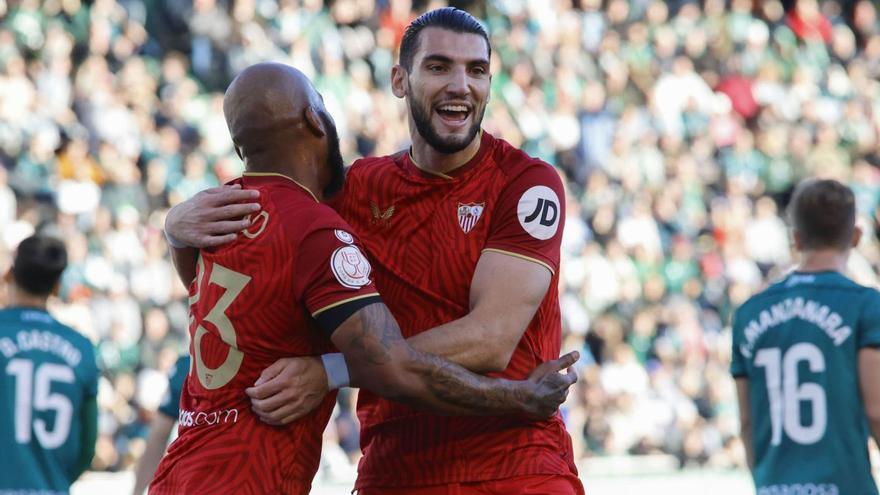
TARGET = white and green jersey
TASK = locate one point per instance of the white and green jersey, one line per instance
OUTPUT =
(47, 373)
(797, 344)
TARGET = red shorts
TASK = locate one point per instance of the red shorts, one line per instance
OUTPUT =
(535, 484)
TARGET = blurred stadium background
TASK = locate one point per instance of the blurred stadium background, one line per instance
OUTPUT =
(680, 126)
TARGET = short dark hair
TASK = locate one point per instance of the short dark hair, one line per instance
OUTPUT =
(39, 262)
(823, 213)
(449, 18)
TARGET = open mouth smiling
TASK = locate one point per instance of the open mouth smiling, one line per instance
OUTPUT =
(453, 114)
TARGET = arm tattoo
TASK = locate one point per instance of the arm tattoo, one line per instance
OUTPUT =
(428, 380)
(477, 394)
(376, 333)
(445, 385)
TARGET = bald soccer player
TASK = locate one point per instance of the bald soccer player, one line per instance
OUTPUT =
(294, 282)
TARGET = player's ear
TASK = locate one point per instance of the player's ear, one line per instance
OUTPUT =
(857, 236)
(314, 122)
(798, 242)
(57, 288)
(7, 277)
(398, 81)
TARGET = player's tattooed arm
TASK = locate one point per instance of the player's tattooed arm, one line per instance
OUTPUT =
(380, 359)
(371, 333)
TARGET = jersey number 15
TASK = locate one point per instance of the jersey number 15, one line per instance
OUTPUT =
(31, 396)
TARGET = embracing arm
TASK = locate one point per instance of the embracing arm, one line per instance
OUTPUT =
(505, 290)
(212, 217)
(381, 360)
(377, 357)
(505, 294)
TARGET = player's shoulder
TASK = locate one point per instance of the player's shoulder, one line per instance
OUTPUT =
(792, 284)
(772, 291)
(373, 164)
(83, 344)
(294, 207)
(517, 165)
(869, 296)
(749, 307)
(760, 300)
(830, 280)
(32, 329)
(19, 318)
(74, 336)
(310, 218)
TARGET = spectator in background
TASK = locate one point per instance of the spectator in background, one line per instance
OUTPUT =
(808, 23)
(596, 132)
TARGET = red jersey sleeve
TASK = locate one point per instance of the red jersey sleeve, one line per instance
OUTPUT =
(333, 276)
(529, 217)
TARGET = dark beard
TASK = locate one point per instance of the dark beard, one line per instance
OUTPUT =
(334, 157)
(422, 119)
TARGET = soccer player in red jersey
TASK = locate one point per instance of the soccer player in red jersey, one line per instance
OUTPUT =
(475, 249)
(294, 282)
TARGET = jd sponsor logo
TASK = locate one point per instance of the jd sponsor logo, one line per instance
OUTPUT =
(538, 212)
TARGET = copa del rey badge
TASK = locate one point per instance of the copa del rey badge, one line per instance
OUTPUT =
(469, 214)
(350, 267)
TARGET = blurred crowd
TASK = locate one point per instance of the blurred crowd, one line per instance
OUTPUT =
(680, 126)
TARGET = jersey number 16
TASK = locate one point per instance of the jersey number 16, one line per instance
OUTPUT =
(786, 393)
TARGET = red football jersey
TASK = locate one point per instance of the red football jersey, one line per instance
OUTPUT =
(424, 234)
(254, 301)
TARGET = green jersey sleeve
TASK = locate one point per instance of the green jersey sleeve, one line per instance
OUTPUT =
(171, 400)
(869, 321)
(89, 371)
(737, 360)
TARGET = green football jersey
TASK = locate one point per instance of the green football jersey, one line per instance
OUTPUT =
(170, 405)
(48, 373)
(797, 344)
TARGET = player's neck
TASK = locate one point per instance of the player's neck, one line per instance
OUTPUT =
(428, 158)
(305, 172)
(21, 299)
(823, 260)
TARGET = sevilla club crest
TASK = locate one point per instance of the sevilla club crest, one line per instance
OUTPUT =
(469, 214)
